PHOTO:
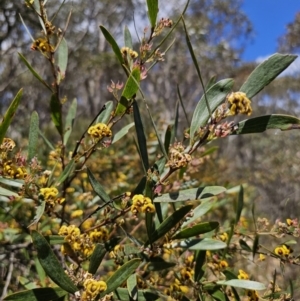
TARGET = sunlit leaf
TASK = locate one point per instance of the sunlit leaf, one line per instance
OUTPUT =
(127, 38)
(55, 239)
(152, 11)
(246, 284)
(70, 120)
(196, 230)
(122, 132)
(33, 136)
(264, 73)
(121, 275)
(51, 264)
(209, 244)
(215, 96)
(262, 123)
(62, 59)
(190, 194)
(106, 114)
(142, 295)
(9, 114)
(132, 286)
(38, 294)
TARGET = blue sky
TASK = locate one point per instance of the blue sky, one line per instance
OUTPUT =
(269, 19)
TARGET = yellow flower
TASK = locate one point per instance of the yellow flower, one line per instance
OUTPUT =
(283, 250)
(49, 192)
(76, 213)
(262, 257)
(243, 275)
(141, 203)
(224, 236)
(223, 264)
(99, 131)
(239, 103)
(93, 288)
(252, 295)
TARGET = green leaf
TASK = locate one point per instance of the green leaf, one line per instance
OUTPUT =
(130, 89)
(196, 230)
(46, 140)
(262, 123)
(264, 73)
(255, 245)
(9, 114)
(6, 192)
(244, 246)
(169, 223)
(70, 120)
(96, 258)
(38, 212)
(209, 244)
(38, 294)
(139, 189)
(50, 263)
(55, 239)
(33, 136)
(98, 188)
(142, 143)
(34, 73)
(62, 60)
(122, 132)
(132, 286)
(215, 96)
(240, 204)
(152, 12)
(159, 264)
(219, 296)
(199, 262)
(142, 295)
(127, 38)
(106, 114)
(121, 275)
(66, 172)
(190, 194)
(56, 114)
(12, 182)
(113, 44)
(246, 284)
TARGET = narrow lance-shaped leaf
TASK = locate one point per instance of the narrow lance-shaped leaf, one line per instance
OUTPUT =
(200, 260)
(105, 114)
(121, 275)
(264, 73)
(98, 187)
(262, 123)
(56, 113)
(169, 223)
(130, 89)
(215, 96)
(116, 49)
(67, 171)
(62, 59)
(246, 284)
(38, 294)
(34, 73)
(152, 11)
(196, 230)
(132, 286)
(38, 212)
(208, 244)
(240, 204)
(255, 245)
(33, 135)
(70, 120)
(127, 38)
(9, 114)
(142, 295)
(122, 132)
(51, 264)
(142, 143)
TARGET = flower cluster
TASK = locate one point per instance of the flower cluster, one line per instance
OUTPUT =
(283, 250)
(82, 243)
(252, 295)
(92, 288)
(49, 195)
(239, 103)
(243, 275)
(290, 227)
(99, 131)
(14, 171)
(178, 158)
(141, 204)
(163, 23)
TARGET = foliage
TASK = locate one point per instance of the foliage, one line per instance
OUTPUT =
(82, 229)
